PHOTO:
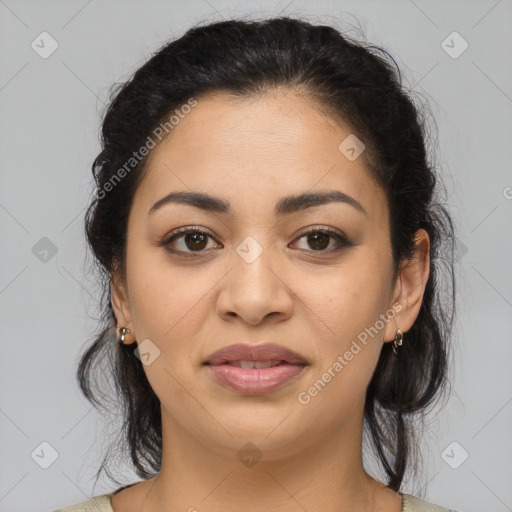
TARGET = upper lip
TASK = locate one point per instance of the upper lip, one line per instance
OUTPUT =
(245, 352)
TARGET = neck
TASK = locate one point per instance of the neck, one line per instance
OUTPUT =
(325, 473)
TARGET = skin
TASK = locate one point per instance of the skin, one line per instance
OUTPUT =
(252, 152)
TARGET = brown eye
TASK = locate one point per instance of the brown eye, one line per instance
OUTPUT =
(195, 241)
(192, 240)
(318, 240)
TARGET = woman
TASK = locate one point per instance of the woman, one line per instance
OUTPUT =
(270, 241)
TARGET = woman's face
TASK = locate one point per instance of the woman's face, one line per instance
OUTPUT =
(254, 276)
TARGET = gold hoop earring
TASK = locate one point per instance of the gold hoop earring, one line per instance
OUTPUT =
(397, 342)
(124, 331)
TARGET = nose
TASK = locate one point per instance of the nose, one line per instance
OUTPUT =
(255, 289)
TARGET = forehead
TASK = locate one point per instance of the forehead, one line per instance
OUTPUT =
(255, 151)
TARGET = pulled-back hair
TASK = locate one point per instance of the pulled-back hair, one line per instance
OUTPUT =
(357, 84)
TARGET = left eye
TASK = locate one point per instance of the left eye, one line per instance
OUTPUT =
(319, 239)
(196, 240)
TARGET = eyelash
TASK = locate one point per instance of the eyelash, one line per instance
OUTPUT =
(341, 239)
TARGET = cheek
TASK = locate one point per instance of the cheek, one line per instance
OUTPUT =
(346, 340)
(155, 290)
(350, 297)
(346, 313)
(168, 303)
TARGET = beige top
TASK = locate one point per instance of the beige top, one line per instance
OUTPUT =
(103, 504)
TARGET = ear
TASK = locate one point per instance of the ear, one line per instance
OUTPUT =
(410, 287)
(121, 305)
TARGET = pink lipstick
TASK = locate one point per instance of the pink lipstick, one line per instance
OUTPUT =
(255, 369)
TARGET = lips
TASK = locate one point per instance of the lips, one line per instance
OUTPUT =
(248, 356)
(255, 369)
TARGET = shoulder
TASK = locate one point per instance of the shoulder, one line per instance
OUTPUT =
(96, 504)
(414, 504)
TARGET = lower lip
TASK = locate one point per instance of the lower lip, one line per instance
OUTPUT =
(255, 381)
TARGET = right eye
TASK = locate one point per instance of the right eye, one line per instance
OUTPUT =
(193, 238)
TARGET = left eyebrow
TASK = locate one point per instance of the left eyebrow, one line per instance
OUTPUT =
(285, 206)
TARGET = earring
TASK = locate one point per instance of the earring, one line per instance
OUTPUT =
(397, 342)
(124, 331)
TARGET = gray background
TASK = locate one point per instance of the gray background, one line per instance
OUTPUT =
(49, 136)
